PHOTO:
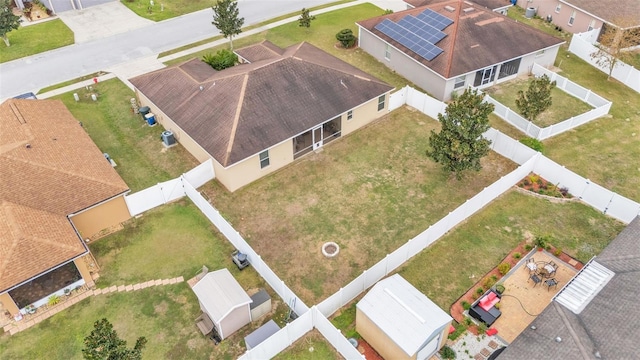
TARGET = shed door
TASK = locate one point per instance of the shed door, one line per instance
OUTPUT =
(428, 349)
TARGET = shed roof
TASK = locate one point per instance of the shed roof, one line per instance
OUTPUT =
(625, 13)
(239, 112)
(261, 334)
(407, 316)
(220, 293)
(49, 168)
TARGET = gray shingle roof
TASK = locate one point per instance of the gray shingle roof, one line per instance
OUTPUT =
(608, 326)
(272, 99)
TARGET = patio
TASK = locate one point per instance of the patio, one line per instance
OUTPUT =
(520, 293)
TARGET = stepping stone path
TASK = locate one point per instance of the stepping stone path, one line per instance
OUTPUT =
(24, 324)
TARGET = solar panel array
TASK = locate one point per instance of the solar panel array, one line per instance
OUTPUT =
(418, 33)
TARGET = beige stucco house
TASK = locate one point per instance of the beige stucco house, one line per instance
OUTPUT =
(400, 322)
(451, 45)
(257, 117)
(56, 190)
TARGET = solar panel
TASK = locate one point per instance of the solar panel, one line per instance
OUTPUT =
(422, 29)
(409, 39)
(434, 19)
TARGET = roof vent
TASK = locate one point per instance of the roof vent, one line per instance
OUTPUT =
(467, 10)
(450, 8)
(28, 146)
(201, 87)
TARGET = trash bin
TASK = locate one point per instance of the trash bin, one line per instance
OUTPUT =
(150, 119)
(144, 111)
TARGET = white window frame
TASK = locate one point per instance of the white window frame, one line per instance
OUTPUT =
(459, 82)
(264, 159)
(572, 19)
(349, 115)
(592, 25)
(381, 101)
(387, 52)
(540, 53)
(558, 7)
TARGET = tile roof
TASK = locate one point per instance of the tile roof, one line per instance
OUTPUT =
(616, 12)
(240, 111)
(606, 328)
(50, 169)
(477, 39)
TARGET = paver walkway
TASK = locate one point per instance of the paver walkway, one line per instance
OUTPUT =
(31, 320)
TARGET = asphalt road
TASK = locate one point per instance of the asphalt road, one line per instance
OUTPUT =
(35, 72)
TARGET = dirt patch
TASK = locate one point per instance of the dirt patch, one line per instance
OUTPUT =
(161, 308)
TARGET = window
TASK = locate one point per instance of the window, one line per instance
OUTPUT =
(558, 7)
(485, 76)
(540, 53)
(387, 52)
(509, 68)
(572, 18)
(381, 103)
(349, 114)
(264, 159)
(592, 25)
(460, 81)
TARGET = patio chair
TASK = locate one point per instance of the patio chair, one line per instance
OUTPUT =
(551, 282)
(535, 278)
(531, 265)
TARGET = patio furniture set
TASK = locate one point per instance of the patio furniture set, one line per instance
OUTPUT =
(484, 309)
(542, 271)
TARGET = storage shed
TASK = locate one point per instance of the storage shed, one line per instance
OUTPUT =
(400, 322)
(224, 301)
(260, 305)
(261, 334)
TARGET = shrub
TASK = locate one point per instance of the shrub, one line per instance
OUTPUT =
(543, 241)
(564, 191)
(346, 38)
(517, 255)
(53, 300)
(482, 328)
(497, 305)
(221, 60)
(467, 321)
(479, 291)
(466, 305)
(504, 268)
(460, 329)
(387, 12)
(528, 247)
(447, 353)
(557, 252)
(490, 281)
(535, 144)
(500, 289)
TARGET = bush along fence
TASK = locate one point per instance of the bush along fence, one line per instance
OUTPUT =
(582, 45)
(600, 104)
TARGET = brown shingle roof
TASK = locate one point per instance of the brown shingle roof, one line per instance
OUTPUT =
(269, 100)
(264, 50)
(60, 172)
(489, 4)
(474, 41)
(624, 13)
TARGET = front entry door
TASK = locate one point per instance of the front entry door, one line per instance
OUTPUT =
(317, 137)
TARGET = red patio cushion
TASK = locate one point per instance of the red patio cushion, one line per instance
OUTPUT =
(488, 301)
(492, 331)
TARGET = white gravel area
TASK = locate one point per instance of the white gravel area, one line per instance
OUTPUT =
(468, 345)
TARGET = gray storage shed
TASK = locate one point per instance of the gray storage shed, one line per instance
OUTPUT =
(224, 301)
(261, 334)
(261, 304)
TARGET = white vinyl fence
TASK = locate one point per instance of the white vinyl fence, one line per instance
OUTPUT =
(600, 104)
(582, 45)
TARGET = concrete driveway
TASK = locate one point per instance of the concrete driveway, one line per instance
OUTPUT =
(101, 21)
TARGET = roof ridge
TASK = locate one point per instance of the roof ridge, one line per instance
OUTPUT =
(236, 118)
(4, 205)
(572, 332)
(268, 48)
(454, 39)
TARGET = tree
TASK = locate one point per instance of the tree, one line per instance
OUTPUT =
(104, 344)
(8, 21)
(305, 18)
(459, 145)
(346, 38)
(613, 44)
(226, 19)
(221, 60)
(537, 98)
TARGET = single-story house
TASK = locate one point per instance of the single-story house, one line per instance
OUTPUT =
(56, 190)
(499, 6)
(596, 315)
(451, 45)
(400, 322)
(254, 118)
(576, 16)
(224, 301)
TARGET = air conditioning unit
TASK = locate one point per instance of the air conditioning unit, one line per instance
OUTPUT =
(167, 138)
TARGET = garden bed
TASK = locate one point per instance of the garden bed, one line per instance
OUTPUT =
(535, 183)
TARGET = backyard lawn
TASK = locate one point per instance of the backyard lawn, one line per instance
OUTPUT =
(564, 106)
(322, 34)
(309, 347)
(136, 148)
(447, 269)
(34, 39)
(370, 192)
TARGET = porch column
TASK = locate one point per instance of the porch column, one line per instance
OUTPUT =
(83, 268)
(8, 304)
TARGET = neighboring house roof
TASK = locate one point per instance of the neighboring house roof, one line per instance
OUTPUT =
(616, 12)
(404, 314)
(50, 168)
(264, 50)
(489, 4)
(607, 327)
(476, 40)
(243, 110)
(219, 293)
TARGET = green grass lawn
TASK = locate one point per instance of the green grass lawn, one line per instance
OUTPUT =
(447, 269)
(517, 13)
(165, 9)
(137, 148)
(309, 347)
(564, 106)
(322, 34)
(34, 39)
(370, 192)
